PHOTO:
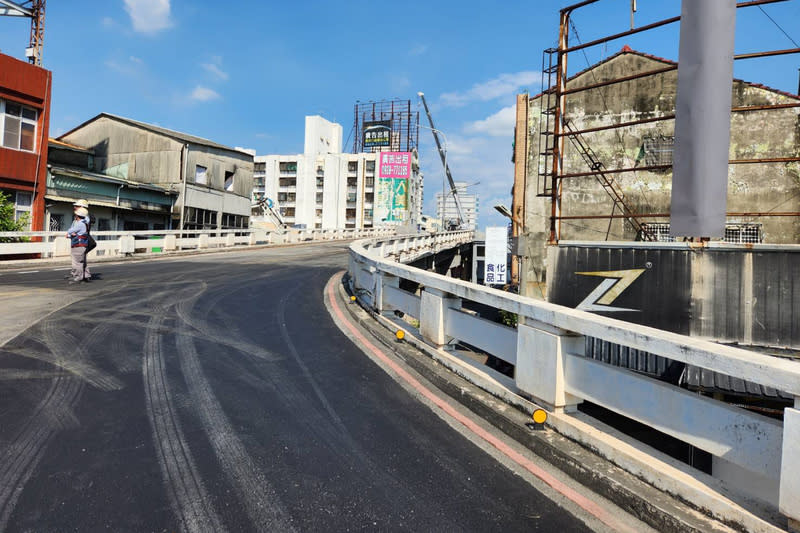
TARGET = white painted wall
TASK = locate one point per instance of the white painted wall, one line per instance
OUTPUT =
(322, 136)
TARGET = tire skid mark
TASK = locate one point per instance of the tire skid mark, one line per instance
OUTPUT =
(19, 460)
(188, 497)
(254, 490)
(209, 331)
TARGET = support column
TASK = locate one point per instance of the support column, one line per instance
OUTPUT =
(383, 280)
(433, 315)
(540, 365)
(789, 499)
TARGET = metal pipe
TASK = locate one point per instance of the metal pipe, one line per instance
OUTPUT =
(622, 80)
(664, 167)
(648, 26)
(742, 109)
(666, 215)
(768, 53)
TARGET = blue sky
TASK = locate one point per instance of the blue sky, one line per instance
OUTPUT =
(248, 75)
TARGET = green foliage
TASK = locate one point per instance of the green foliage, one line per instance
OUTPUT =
(7, 222)
(508, 318)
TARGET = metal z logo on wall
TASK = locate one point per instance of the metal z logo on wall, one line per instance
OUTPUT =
(609, 289)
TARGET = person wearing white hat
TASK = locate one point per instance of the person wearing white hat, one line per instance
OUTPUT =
(84, 204)
(78, 234)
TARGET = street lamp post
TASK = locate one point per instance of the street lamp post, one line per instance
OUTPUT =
(444, 177)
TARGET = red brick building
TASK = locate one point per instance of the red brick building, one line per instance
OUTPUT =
(24, 124)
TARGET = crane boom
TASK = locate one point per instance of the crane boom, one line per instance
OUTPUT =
(443, 156)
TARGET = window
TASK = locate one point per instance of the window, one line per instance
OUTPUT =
(319, 197)
(656, 150)
(200, 176)
(320, 183)
(743, 233)
(369, 182)
(22, 208)
(259, 167)
(352, 182)
(352, 166)
(57, 223)
(369, 197)
(370, 166)
(258, 182)
(19, 126)
(228, 181)
(734, 233)
(288, 167)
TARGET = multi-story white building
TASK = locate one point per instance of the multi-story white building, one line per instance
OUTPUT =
(469, 207)
(325, 188)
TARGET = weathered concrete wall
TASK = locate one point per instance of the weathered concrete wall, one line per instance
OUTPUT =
(155, 158)
(150, 158)
(752, 187)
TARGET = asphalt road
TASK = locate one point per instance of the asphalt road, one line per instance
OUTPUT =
(215, 392)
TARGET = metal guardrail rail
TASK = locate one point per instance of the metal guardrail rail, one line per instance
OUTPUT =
(548, 351)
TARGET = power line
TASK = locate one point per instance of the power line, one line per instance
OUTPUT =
(779, 27)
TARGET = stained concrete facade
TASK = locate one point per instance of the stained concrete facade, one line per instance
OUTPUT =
(214, 182)
(753, 187)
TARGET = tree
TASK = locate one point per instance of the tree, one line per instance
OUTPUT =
(7, 221)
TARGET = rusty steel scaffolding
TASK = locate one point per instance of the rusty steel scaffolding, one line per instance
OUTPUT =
(404, 124)
(553, 98)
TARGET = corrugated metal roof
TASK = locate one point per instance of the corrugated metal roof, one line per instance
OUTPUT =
(74, 147)
(177, 135)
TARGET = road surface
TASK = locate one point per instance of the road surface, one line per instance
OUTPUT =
(215, 393)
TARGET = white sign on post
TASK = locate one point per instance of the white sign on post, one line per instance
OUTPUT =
(494, 269)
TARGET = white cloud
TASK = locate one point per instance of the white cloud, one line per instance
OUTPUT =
(418, 50)
(215, 70)
(203, 94)
(132, 67)
(500, 124)
(107, 22)
(502, 86)
(149, 16)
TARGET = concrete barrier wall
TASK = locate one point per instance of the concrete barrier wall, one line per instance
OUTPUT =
(548, 351)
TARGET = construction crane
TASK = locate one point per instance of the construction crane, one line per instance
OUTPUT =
(459, 222)
(33, 9)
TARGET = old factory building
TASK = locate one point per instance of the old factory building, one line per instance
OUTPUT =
(213, 182)
(616, 173)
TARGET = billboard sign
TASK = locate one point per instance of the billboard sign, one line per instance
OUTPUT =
(494, 269)
(391, 198)
(377, 133)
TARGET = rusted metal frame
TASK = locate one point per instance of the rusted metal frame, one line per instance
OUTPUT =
(647, 27)
(614, 171)
(558, 140)
(743, 109)
(763, 107)
(664, 167)
(622, 125)
(669, 69)
(666, 215)
(768, 53)
(622, 34)
(763, 160)
(622, 80)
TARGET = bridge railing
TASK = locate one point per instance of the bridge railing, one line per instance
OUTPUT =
(49, 244)
(547, 348)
